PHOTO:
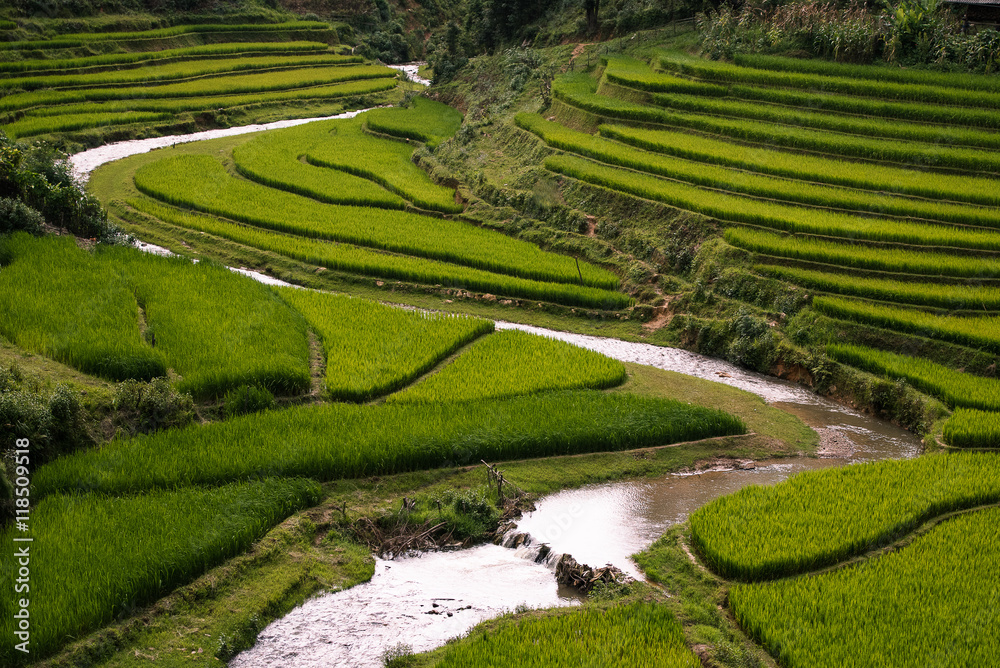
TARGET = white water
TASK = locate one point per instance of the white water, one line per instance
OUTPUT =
(411, 69)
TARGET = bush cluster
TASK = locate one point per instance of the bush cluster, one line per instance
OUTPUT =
(908, 32)
(36, 183)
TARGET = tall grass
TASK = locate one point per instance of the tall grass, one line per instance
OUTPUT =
(932, 601)
(351, 259)
(94, 558)
(200, 182)
(725, 72)
(979, 332)
(384, 161)
(863, 257)
(59, 301)
(819, 518)
(969, 428)
(108, 60)
(513, 363)
(425, 120)
(727, 179)
(372, 349)
(908, 292)
(218, 329)
(187, 69)
(955, 388)
(637, 634)
(349, 441)
(229, 85)
(273, 160)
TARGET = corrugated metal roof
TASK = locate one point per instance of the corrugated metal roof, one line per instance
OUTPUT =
(988, 3)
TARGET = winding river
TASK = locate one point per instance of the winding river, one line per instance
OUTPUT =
(423, 601)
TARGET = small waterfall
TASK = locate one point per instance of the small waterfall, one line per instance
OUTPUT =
(525, 547)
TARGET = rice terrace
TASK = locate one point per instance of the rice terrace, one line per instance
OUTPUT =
(499, 333)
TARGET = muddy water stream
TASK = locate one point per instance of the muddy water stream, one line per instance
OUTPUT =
(598, 524)
(424, 600)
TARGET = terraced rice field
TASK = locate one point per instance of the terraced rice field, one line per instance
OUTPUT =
(149, 77)
(858, 181)
(931, 600)
(344, 194)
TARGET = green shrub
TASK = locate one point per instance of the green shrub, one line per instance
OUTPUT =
(16, 215)
(148, 407)
(247, 399)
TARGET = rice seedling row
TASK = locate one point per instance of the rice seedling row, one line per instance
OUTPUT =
(201, 183)
(722, 178)
(960, 80)
(371, 349)
(867, 176)
(103, 557)
(81, 39)
(186, 69)
(182, 104)
(634, 634)
(863, 257)
(58, 301)
(830, 143)
(980, 332)
(819, 518)
(426, 121)
(955, 388)
(733, 208)
(512, 363)
(974, 297)
(68, 46)
(932, 601)
(349, 441)
(230, 85)
(680, 89)
(273, 160)
(347, 148)
(970, 428)
(351, 259)
(913, 111)
(852, 125)
(715, 71)
(40, 125)
(59, 66)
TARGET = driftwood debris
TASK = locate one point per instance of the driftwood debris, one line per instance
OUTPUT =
(584, 577)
